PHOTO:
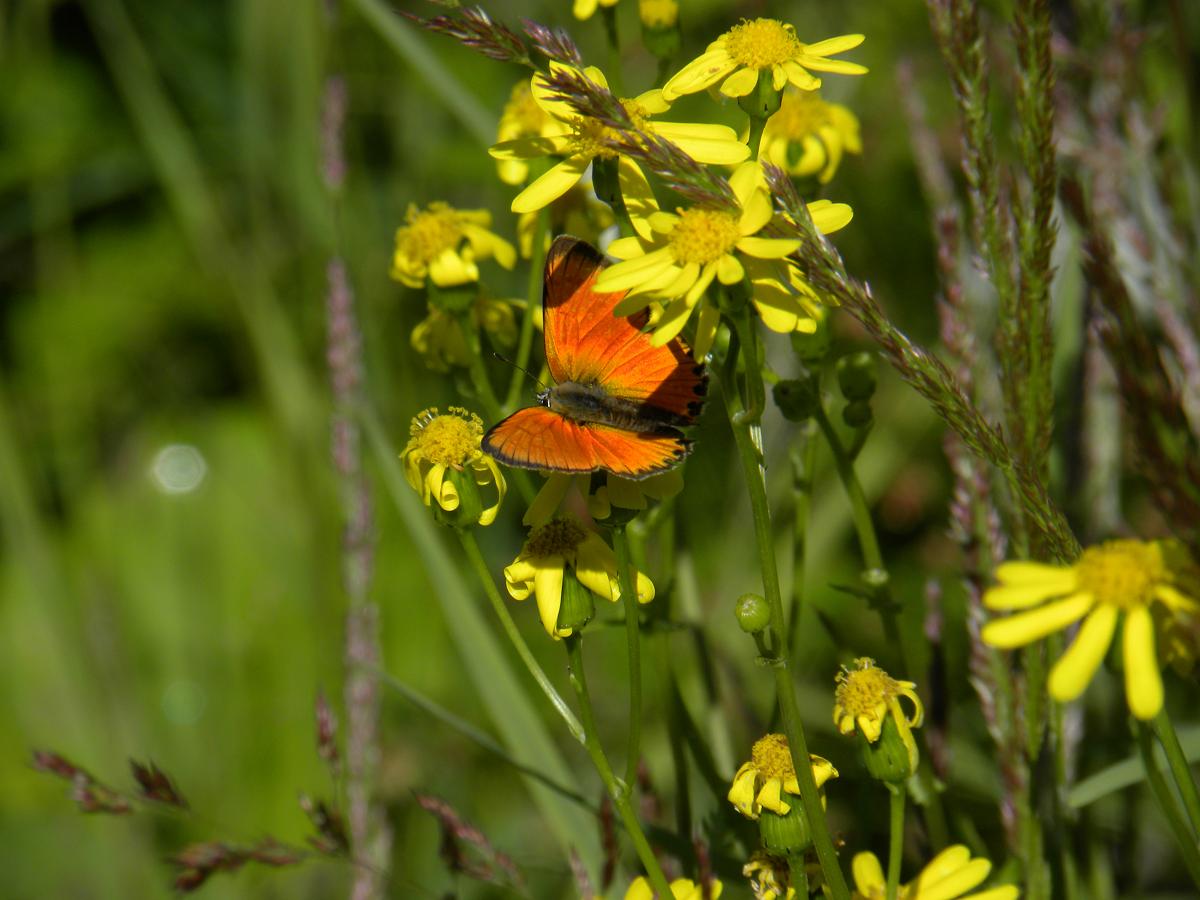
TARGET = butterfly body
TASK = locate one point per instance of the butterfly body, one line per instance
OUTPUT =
(618, 401)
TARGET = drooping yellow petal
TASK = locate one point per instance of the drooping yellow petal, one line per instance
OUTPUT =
(706, 329)
(702, 72)
(741, 792)
(637, 196)
(729, 270)
(1074, 671)
(547, 499)
(740, 83)
(868, 874)
(548, 580)
(1143, 682)
(1027, 627)
(801, 77)
(552, 184)
(771, 797)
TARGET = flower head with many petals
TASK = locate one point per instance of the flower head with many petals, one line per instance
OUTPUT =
(603, 492)
(761, 782)
(675, 257)
(563, 549)
(439, 339)
(809, 136)
(762, 48)
(866, 696)
(585, 9)
(949, 876)
(580, 140)
(443, 462)
(443, 244)
(1123, 579)
(522, 117)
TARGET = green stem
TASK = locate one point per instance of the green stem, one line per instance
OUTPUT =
(896, 845)
(613, 38)
(757, 125)
(479, 564)
(1164, 729)
(620, 799)
(1188, 848)
(533, 296)
(751, 460)
(798, 870)
(633, 639)
(479, 376)
(804, 460)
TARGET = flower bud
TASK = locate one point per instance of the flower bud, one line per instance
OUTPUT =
(457, 299)
(764, 101)
(753, 613)
(785, 834)
(660, 27)
(460, 483)
(856, 376)
(797, 398)
(857, 413)
(577, 606)
(892, 758)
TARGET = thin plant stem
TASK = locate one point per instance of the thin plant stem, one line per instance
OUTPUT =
(804, 459)
(1164, 730)
(620, 798)
(613, 39)
(471, 547)
(533, 297)
(479, 376)
(1188, 847)
(749, 454)
(896, 844)
(633, 639)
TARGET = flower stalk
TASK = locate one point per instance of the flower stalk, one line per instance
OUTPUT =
(633, 639)
(896, 794)
(1181, 771)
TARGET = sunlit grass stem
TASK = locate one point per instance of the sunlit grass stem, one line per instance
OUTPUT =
(619, 794)
(633, 639)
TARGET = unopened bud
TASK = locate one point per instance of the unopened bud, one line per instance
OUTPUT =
(577, 606)
(892, 758)
(753, 613)
(785, 834)
(797, 398)
(857, 413)
(856, 376)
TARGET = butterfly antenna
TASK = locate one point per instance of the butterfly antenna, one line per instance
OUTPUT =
(532, 377)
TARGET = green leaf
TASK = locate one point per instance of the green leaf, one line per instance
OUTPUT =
(1127, 772)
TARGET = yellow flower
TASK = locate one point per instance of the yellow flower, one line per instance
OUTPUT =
(444, 464)
(585, 9)
(578, 212)
(658, 13)
(522, 117)
(443, 244)
(736, 58)
(769, 876)
(681, 889)
(439, 338)
(761, 783)
(603, 491)
(580, 140)
(866, 696)
(676, 256)
(560, 549)
(1114, 579)
(947, 877)
(808, 136)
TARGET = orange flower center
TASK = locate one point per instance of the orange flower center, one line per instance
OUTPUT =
(703, 236)
(761, 43)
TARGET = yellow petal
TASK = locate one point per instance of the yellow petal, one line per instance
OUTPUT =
(547, 499)
(1022, 596)
(632, 272)
(626, 248)
(547, 581)
(702, 72)
(637, 195)
(717, 148)
(801, 77)
(945, 864)
(518, 578)
(652, 102)
(768, 248)
(740, 83)
(1022, 572)
(868, 874)
(530, 147)
(1072, 673)
(830, 217)
(1027, 627)
(450, 269)
(1143, 682)
(552, 184)
(830, 46)
(1176, 600)
(729, 270)
(778, 311)
(741, 792)
(834, 66)
(596, 567)
(706, 332)
(673, 319)
(771, 797)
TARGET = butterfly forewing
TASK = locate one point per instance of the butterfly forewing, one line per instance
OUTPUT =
(587, 344)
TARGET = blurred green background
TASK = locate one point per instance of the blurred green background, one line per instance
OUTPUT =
(170, 571)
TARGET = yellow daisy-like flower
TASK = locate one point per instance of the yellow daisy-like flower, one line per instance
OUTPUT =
(444, 244)
(808, 136)
(585, 9)
(769, 876)
(522, 117)
(949, 876)
(736, 58)
(1116, 579)
(603, 491)
(579, 140)
(867, 695)
(761, 783)
(676, 256)
(681, 889)
(445, 465)
(438, 338)
(564, 548)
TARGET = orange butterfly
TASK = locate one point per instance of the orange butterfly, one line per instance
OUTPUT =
(618, 402)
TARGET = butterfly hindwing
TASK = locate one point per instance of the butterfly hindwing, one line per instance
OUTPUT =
(586, 343)
(539, 438)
